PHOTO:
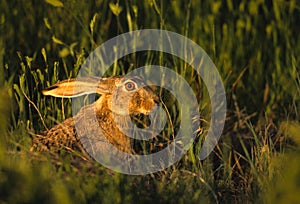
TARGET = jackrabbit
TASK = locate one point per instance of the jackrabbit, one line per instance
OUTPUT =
(93, 122)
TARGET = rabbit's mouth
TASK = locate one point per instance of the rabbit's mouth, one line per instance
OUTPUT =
(148, 112)
(146, 109)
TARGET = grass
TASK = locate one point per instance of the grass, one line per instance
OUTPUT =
(255, 47)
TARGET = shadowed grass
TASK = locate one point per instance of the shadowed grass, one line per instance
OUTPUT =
(255, 47)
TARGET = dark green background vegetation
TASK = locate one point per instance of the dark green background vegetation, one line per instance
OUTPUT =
(255, 46)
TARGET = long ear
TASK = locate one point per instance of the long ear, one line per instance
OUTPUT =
(77, 87)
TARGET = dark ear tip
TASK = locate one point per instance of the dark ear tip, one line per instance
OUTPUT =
(46, 90)
(50, 88)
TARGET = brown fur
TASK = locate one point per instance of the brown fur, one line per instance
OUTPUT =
(92, 129)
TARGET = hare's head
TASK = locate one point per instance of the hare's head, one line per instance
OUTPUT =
(122, 95)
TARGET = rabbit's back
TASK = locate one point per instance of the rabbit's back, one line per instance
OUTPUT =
(89, 129)
(62, 135)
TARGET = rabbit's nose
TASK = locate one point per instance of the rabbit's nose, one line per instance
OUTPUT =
(157, 101)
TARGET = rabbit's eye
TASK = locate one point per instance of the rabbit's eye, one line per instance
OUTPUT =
(130, 86)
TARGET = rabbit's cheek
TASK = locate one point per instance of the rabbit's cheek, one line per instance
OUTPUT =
(120, 103)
